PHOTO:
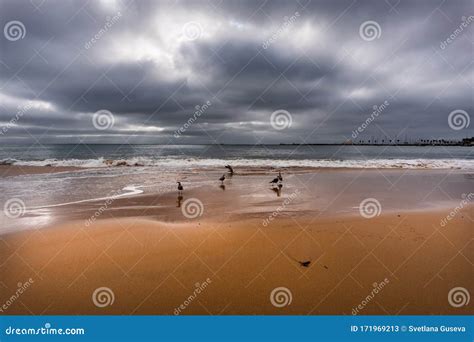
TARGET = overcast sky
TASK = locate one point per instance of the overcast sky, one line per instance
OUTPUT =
(150, 63)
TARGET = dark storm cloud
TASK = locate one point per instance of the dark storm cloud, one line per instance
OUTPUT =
(250, 58)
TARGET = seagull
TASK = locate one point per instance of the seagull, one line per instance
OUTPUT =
(274, 181)
(280, 178)
(277, 189)
(180, 187)
(222, 179)
(231, 170)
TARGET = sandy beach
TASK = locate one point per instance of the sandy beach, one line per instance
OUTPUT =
(247, 171)
(248, 248)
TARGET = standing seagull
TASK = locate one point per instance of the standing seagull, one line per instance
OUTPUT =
(222, 179)
(280, 178)
(180, 188)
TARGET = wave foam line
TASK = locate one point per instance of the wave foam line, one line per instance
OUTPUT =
(131, 190)
(179, 164)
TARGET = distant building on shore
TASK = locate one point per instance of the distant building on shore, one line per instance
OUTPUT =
(417, 142)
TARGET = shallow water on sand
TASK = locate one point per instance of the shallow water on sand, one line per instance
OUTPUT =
(56, 197)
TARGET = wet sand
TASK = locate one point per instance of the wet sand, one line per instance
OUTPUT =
(228, 260)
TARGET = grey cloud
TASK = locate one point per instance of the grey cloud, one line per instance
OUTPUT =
(318, 68)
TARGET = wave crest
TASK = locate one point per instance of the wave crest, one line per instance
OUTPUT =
(176, 164)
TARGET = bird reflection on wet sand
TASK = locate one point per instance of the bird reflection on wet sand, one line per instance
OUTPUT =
(178, 201)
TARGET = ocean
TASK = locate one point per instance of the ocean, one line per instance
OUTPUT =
(179, 157)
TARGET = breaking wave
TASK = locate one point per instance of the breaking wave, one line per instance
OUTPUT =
(181, 163)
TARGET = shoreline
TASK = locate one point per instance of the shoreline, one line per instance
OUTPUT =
(19, 170)
(324, 193)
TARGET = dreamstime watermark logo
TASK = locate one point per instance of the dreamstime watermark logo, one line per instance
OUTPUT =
(369, 208)
(377, 287)
(192, 30)
(14, 30)
(199, 110)
(457, 32)
(370, 30)
(110, 21)
(281, 119)
(21, 110)
(282, 207)
(458, 296)
(103, 120)
(281, 297)
(287, 23)
(377, 110)
(110, 199)
(14, 208)
(192, 208)
(458, 119)
(197, 291)
(47, 329)
(102, 297)
(21, 288)
(466, 199)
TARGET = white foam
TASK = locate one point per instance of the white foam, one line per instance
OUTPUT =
(131, 190)
(183, 163)
(87, 163)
